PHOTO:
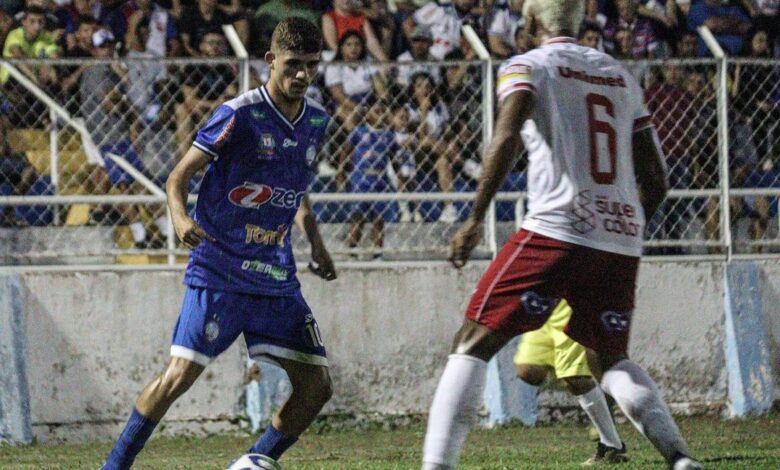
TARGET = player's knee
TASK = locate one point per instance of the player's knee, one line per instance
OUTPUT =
(580, 385)
(531, 374)
(322, 391)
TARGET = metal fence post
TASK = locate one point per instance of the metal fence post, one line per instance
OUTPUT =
(54, 159)
(723, 136)
(723, 154)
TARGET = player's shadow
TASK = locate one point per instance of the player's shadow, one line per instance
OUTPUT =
(745, 459)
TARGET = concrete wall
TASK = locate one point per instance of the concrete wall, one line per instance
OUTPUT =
(95, 338)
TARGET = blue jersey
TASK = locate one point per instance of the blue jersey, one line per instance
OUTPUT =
(373, 150)
(263, 165)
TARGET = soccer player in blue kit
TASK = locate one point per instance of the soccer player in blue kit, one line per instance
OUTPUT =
(260, 149)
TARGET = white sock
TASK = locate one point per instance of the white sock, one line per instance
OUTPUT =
(639, 398)
(162, 224)
(453, 411)
(595, 405)
(139, 231)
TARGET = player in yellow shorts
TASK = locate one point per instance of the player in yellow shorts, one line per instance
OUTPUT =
(549, 350)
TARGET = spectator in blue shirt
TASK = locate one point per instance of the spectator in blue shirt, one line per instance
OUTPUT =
(373, 148)
(729, 23)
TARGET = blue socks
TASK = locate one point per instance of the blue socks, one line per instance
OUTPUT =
(130, 442)
(272, 443)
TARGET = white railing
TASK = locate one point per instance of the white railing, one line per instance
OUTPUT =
(426, 238)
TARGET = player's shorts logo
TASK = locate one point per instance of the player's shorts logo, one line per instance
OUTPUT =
(616, 322)
(583, 219)
(536, 305)
(211, 331)
(253, 195)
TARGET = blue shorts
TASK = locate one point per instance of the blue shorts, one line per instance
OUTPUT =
(273, 326)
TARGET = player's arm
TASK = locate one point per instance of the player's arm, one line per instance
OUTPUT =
(650, 170)
(177, 187)
(321, 263)
(499, 158)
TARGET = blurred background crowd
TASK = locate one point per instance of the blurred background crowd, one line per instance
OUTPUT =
(406, 115)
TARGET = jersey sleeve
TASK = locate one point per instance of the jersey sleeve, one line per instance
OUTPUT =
(516, 74)
(218, 132)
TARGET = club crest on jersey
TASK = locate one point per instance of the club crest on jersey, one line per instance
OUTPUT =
(253, 195)
(311, 154)
(267, 144)
(616, 322)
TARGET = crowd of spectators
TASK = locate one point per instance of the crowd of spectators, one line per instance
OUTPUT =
(439, 105)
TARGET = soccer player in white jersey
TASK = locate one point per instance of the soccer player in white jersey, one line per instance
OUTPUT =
(595, 170)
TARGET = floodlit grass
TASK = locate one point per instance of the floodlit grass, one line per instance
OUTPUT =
(736, 444)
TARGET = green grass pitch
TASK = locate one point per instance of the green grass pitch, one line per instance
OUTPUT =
(735, 444)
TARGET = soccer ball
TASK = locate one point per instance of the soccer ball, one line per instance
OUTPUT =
(254, 462)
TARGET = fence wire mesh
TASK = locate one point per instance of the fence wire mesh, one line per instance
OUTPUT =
(401, 154)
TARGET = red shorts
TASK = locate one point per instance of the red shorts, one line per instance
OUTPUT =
(532, 273)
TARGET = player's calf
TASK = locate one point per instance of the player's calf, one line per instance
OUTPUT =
(162, 392)
(311, 389)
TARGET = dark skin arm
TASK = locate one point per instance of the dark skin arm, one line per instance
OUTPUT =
(498, 161)
(321, 263)
(650, 171)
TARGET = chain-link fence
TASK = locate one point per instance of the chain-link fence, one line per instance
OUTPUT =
(87, 145)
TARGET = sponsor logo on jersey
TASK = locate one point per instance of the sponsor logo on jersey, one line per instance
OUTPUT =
(289, 143)
(226, 132)
(253, 195)
(583, 218)
(277, 273)
(318, 121)
(261, 236)
(588, 213)
(617, 217)
(583, 76)
(616, 322)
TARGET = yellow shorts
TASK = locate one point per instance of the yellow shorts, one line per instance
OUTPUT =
(550, 346)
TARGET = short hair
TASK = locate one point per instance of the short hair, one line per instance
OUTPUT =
(588, 27)
(87, 19)
(556, 15)
(296, 34)
(34, 10)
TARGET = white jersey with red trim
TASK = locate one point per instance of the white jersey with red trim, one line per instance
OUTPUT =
(581, 183)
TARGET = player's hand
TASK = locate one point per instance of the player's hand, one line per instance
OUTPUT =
(322, 265)
(464, 242)
(190, 233)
